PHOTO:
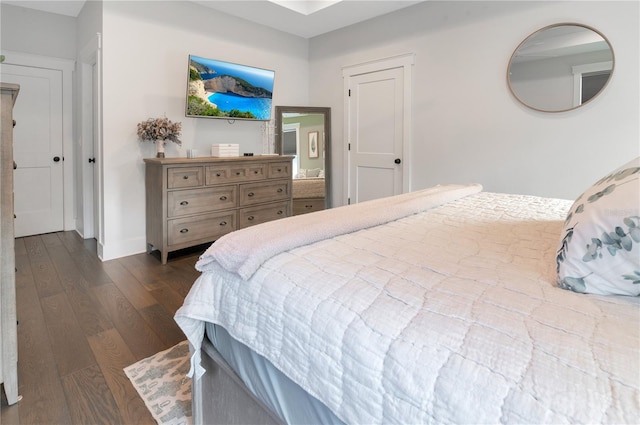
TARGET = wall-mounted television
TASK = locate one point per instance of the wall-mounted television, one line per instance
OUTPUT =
(218, 89)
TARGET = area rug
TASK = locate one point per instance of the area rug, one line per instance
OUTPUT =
(162, 384)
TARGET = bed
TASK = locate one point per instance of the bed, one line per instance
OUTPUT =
(437, 306)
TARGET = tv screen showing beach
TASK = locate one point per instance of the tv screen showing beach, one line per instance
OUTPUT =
(227, 90)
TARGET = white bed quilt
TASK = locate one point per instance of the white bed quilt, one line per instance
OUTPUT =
(450, 315)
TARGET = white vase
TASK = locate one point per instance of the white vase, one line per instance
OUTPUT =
(160, 148)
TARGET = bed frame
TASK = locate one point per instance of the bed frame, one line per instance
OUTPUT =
(220, 396)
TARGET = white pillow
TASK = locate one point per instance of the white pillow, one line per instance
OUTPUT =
(599, 252)
(313, 172)
(302, 173)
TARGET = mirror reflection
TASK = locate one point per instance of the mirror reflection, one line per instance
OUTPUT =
(560, 67)
(305, 133)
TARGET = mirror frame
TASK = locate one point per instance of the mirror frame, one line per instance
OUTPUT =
(327, 139)
(528, 38)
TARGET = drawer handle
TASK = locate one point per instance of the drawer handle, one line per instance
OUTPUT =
(223, 198)
(255, 172)
(250, 194)
(280, 190)
(280, 212)
(250, 218)
(217, 174)
(279, 170)
(223, 223)
(184, 203)
(185, 177)
(237, 173)
(308, 206)
(184, 230)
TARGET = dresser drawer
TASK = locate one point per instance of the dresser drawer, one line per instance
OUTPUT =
(205, 227)
(279, 170)
(254, 193)
(261, 214)
(181, 177)
(307, 205)
(193, 201)
(230, 173)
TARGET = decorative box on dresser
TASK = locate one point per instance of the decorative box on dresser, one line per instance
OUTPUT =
(8, 327)
(197, 200)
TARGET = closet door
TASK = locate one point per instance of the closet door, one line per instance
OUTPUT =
(39, 193)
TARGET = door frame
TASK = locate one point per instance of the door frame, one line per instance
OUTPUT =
(406, 62)
(90, 140)
(66, 67)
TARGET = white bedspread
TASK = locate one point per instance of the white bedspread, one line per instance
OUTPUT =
(450, 315)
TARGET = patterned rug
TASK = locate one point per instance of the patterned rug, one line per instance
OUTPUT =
(160, 381)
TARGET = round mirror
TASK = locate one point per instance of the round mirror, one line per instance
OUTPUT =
(560, 67)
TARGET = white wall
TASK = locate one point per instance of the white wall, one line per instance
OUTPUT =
(467, 125)
(37, 33)
(145, 56)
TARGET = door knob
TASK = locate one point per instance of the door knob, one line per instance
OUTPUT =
(397, 161)
(56, 159)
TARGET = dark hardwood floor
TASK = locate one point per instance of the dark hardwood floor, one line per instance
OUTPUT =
(81, 321)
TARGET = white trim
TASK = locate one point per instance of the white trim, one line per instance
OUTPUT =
(296, 161)
(405, 61)
(578, 70)
(121, 248)
(67, 67)
(90, 58)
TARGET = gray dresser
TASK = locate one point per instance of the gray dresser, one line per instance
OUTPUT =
(197, 200)
(8, 327)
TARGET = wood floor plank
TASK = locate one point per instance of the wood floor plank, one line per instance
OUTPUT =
(46, 279)
(91, 314)
(130, 287)
(168, 297)
(162, 322)
(123, 315)
(67, 270)
(20, 248)
(89, 311)
(39, 383)
(182, 282)
(89, 397)
(140, 272)
(26, 291)
(9, 415)
(51, 240)
(113, 355)
(70, 347)
(72, 241)
(35, 249)
(140, 338)
(91, 268)
(149, 270)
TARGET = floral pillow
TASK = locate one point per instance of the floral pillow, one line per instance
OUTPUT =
(600, 248)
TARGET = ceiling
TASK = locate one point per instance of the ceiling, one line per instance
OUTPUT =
(304, 18)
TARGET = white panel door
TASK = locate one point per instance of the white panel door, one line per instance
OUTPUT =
(38, 183)
(375, 120)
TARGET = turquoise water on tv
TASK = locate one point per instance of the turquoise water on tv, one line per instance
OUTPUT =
(260, 107)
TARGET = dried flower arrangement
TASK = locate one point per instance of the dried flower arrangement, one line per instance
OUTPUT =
(159, 129)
